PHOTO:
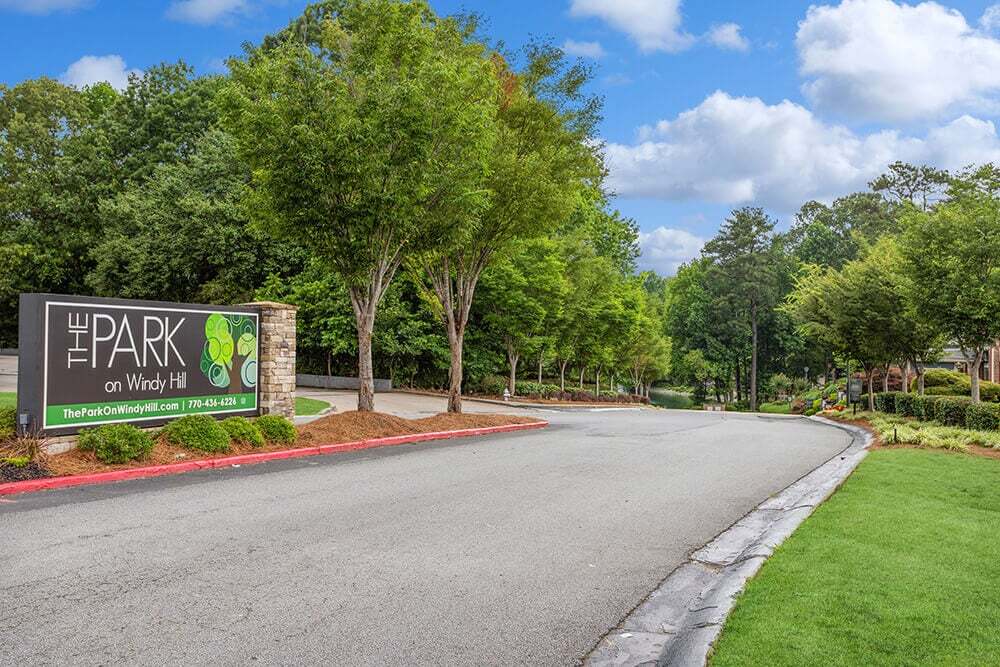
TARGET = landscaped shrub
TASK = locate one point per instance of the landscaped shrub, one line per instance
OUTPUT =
(941, 382)
(275, 428)
(7, 422)
(886, 402)
(116, 443)
(242, 430)
(905, 404)
(983, 416)
(923, 406)
(200, 432)
(950, 411)
(492, 385)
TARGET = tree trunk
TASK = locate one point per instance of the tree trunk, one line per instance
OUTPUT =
(906, 377)
(974, 375)
(540, 355)
(366, 378)
(455, 373)
(871, 390)
(739, 382)
(582, 370)
(885, 380)
(597, 391)
(921, 371)
(753, 359)
(329, 364)
(562, 374)
(512, 359)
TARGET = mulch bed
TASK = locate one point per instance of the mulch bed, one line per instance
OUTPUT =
(330, 430)
(12, 473)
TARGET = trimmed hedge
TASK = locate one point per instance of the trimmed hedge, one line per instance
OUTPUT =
(957, 411)
(923, 406)
(886, 402)
(7, 422)
(199, 432)
(242, 430)
(276, 428)
(950, 411)
(983, 416)
(116, 443)
(905, 404)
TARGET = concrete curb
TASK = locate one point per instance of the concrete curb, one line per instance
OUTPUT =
(32, 485)
(678, 623)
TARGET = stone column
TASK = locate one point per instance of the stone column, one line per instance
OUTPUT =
(277, 358)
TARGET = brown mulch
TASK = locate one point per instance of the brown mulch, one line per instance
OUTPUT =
(329, 430)
(351, 426)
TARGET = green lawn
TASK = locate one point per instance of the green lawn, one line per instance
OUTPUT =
(783, 408)
(309, 406)
(899, 567)
(8, 399)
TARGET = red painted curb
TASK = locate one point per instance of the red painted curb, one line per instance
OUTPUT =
(31, 485)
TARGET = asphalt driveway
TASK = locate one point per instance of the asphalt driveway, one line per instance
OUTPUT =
(519, 549)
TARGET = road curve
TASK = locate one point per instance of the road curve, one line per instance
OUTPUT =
(513, 549)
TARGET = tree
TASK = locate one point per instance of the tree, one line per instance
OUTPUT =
(536, 165)
(523, 289)
(183, 234)
(742, 256)
(366, 144)
(854, 310)
(53, 175)
(907, 184)
(952, 255)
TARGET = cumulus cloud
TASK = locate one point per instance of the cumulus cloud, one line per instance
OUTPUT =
(990, 20)
(583, 49)
(655, 25)
(740, 150)
(94, 69)
(205, 12)
(42, 6)
(728, 36)
(664, 249)
(879, 60)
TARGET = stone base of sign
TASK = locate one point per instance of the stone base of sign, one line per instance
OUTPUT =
(277, 358)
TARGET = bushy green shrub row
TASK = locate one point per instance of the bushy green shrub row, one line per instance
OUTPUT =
(948, 410)
(121, 443)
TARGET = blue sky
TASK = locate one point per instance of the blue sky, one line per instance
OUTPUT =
(708, 105)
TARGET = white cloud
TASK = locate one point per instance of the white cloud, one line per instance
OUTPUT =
(655, 25)
(93, 69)
(583, 49)
(205, 12)
(728, 36)
(739, 150)
(41, 6)
(879, 60)
(664, 249)
(990, 20)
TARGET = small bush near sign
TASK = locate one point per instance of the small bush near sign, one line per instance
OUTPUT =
(242, 431)
(276, 429)
(199, 432)
(116, 443)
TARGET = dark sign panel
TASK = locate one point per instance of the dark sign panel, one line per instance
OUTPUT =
(90, 361)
